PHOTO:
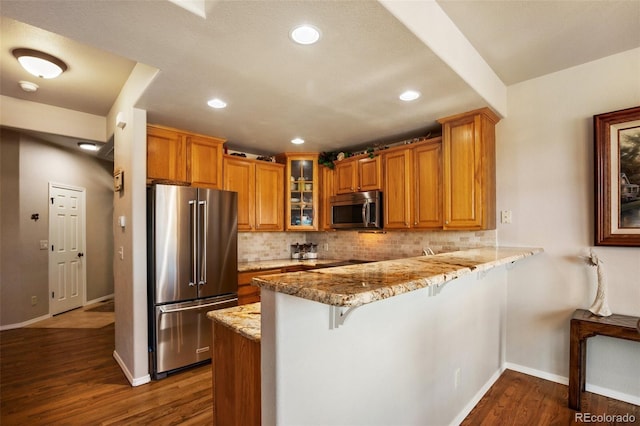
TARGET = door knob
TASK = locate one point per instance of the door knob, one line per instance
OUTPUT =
(80, 254)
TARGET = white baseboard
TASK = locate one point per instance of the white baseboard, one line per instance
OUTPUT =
(537, 373)
(609, 393)
(133, 380)
(23, 324)
(476, 398)
(44, 317)
(99, 299)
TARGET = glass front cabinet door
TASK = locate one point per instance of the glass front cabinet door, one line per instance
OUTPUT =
(301, 196)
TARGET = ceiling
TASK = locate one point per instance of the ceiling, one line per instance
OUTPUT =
(341, 92)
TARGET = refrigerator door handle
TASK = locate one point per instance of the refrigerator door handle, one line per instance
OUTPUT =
(204, 231)
(166, 310)
(194, 242)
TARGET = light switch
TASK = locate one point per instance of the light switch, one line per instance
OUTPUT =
(44, 244)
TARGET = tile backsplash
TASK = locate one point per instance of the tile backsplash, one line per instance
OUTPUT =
(254, 246)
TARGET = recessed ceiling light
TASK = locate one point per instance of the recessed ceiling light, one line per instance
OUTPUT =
(88, 146)
(28, 86)
(297, 141)
(217, 103)
(409, 95)
(305, 34)
(39, 63)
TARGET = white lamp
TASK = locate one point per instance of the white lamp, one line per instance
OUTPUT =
(39, 63)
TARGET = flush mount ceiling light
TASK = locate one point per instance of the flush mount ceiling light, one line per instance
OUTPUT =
(297, 141)
(217, 103)
(305, 34)
(88, 146)
(39, 63)
(28, 86)
(409, 95)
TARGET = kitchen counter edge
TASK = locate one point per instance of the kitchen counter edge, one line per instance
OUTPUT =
(244, 319)
(355, 285)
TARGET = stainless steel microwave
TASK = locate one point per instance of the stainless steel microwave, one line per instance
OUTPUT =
(357, 210)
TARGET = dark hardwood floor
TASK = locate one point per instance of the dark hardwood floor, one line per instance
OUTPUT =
(54, 376)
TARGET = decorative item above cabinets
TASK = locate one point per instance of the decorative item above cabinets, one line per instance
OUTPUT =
(183, 158)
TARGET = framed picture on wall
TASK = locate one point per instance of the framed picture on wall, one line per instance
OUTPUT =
(617, 177)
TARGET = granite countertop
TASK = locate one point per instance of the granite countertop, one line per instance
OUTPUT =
(260, 265)
(244, 319)
(356, 285)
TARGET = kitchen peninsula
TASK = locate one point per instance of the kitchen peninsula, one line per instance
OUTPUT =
(369, 344)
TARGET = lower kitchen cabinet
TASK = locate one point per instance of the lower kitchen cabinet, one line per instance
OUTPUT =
(248, 293)
(236, 378)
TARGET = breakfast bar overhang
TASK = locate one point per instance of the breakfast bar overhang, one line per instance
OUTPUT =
(410, 353)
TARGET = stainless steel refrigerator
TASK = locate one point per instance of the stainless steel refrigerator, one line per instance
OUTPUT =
(193, 269)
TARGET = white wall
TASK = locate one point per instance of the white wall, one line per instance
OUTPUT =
(26, 172)
(130, 271)
(545, 176)
(393, 362)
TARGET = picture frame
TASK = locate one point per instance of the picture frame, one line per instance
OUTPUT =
(617, 177)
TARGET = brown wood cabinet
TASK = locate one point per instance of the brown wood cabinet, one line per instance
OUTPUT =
(260, 188)
(358, 174)
(166, 155)
(184, 158)
(236, 376)
(204, 163)
(302, 208)
(427, 177)
(412, 194)
(248, 293)
(469, 170)
(326, 192)
(397, 189)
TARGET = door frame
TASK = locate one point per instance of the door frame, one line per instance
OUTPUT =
(83, 224)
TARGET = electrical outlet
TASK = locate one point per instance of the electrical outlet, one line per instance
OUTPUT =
(456, 378)
(505, 216)
(121, 252)
(34, 300)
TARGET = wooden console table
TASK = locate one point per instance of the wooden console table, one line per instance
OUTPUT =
(584, 324)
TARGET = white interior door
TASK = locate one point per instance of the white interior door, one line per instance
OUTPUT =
(67, 272)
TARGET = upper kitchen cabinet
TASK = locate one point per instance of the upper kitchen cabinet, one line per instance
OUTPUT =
(327, 190)
(166, 155)
(260, 188)
(469, 170)
(397, 189)
(204, 165)
(427, 177)
(183, 157)
(302, 193)
(412, 193)
(358, 174)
